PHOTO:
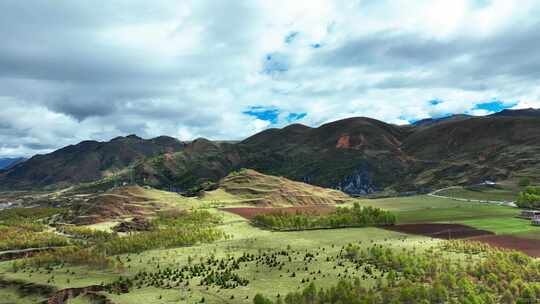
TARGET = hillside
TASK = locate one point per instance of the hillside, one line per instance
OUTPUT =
(266, 190)
(361, 155)
(84, 162)
(530, 112)
(356, 155)
(475, 149)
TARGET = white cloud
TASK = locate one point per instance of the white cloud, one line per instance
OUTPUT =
(189, 69)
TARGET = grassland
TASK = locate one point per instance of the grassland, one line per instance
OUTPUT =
(506, 193)
(422, 209)
(244, 238)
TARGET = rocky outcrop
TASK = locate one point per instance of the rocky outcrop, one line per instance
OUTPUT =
(358, 183)
(64, 295)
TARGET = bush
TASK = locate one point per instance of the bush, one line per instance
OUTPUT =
(530, 198)
(524, 182)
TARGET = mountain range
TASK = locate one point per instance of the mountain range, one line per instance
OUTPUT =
(10, 161)
(356, 155)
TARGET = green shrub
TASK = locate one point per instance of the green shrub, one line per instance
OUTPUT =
(530, 198)
(524, 182)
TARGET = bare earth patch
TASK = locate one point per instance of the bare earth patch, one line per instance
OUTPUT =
(440, 231)
(528, 246)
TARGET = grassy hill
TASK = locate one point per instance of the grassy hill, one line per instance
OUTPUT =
(265, 190)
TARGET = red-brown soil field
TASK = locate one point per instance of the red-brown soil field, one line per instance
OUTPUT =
(441, 231)
(250, 213)
(528, 246)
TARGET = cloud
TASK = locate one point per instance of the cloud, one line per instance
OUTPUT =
(71, 71)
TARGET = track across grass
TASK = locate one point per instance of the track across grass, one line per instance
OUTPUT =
(488, 193)
(423, 208)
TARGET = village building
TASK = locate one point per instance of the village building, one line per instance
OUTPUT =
(530, 214)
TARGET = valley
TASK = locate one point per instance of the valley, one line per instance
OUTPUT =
(216, 254)
(269, 152)
(357, 211)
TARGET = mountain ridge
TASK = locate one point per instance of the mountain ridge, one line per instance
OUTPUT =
(358, 155)
(84, 162)
(8, 162)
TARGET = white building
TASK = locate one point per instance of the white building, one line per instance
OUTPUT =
(530, 214)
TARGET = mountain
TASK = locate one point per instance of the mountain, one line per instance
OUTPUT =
(430, 121)
(361, 155)
(356, 155)
(5, 163)
(530, 112)
(474, 150)
(84, 162)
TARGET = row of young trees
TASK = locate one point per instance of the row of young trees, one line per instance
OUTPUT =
(355, 216)
(13, 238)
(163, 238)
(169, 230)
(413, 276)
(22, 228)
(530, 198)
(184, 218)
(85, 233)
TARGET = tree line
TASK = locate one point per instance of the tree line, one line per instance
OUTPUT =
(355, 216)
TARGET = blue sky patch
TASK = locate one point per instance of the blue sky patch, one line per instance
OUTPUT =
(275, 63)
(494, 106)
(264, 113)
(410, 120)
(291, 37)
(271, 114)
(295, 116)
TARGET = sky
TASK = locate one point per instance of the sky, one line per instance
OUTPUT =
(224, 70)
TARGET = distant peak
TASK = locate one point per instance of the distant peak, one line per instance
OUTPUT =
(131, 136)
(429, 121)
(529, 112)
(296, 126)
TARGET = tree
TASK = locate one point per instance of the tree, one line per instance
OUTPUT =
(530, 198)
(507, 298)
(524, 182)
(260, 299)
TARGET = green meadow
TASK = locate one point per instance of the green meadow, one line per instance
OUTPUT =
(311, 256)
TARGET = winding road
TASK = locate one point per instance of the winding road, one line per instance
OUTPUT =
(501, 203)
